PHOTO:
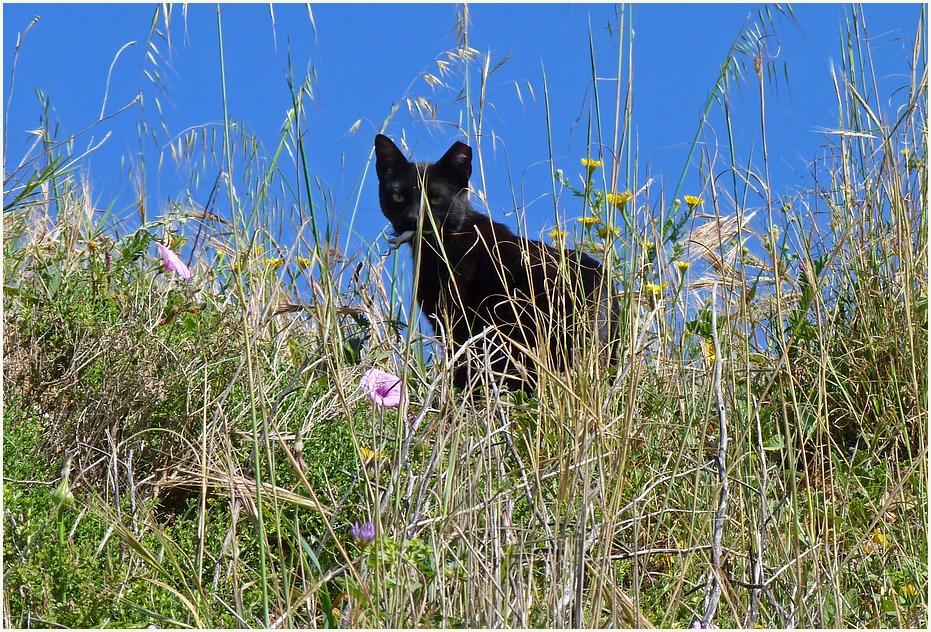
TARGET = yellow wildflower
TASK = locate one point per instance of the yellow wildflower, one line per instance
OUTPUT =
(648, 245)
(369, 455)
(908, 591)
(590, 164)
(605, 232)
(682, 265)
(274, 264)
(693, 201)
(618, 200)
(557, 234)
(880, 538)
(654, 288)
(588, 221)
(708, 345)
(303, 263)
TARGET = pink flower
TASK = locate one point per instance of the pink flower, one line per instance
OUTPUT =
(173, 262)
(362, 533)
(382, 388)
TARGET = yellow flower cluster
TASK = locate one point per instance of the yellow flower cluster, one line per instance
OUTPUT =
(557, 234)
(618, 200)
(654, 288)
(878, 538)
(588, 221)
(274, 264)
(590, 164)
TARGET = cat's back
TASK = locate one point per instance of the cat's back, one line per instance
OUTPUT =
(492, 258)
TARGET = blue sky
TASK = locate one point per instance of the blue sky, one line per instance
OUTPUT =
(364, 58)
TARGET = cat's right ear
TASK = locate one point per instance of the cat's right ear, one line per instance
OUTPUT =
(388, 158)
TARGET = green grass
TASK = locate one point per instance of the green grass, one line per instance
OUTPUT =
(758, 455)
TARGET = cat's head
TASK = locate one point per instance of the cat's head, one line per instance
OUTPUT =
(407, 189)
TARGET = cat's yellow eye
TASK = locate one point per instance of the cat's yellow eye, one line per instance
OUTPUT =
(397, 197)
(435, 201)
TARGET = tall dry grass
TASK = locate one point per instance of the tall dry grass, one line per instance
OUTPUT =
(756, 456)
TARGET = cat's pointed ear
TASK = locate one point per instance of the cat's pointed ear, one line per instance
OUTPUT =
(459, 160)
(388, 158)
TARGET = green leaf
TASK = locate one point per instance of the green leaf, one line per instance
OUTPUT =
(775, 443)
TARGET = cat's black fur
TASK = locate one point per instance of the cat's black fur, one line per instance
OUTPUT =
(475, 273)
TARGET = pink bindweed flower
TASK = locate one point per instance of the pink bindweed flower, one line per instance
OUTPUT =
(382, 388)
(173, 262)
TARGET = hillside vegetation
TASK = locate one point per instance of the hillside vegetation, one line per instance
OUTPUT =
(201, 452)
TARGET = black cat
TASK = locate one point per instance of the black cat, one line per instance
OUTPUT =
(474, 273)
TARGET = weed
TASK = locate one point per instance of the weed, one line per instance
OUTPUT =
(200, 451)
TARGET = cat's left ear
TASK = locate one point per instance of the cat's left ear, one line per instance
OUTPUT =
(458, 159)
